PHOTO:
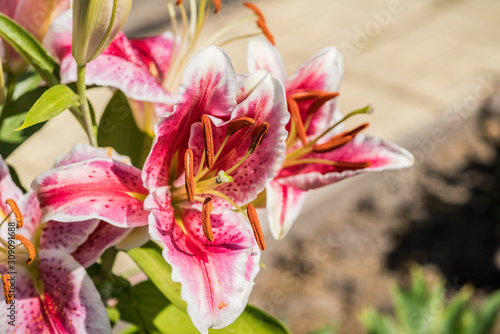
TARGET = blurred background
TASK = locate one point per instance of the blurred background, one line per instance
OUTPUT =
(430, 69)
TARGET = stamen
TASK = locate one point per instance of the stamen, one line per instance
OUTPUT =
(205, 218)
(218, 5)
(306, 94)
(356, 130)
(6, 289)
(17, 212)
(29, 246)
(256, 10)
(297, 119)
(258, 135)
(179, 2)
(223, 178)
(332, 144)
(265, 30)
(254, 221)
(352, 165)
(188, 170)
(320, 101)
(238, 124)
(208, 139)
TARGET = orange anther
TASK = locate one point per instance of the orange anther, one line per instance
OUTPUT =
(238, 124)
(293, 107)
(188, 170)
(179, 2)
(256, 10)
(6, 289)
(258, 135)
(29, 246)
(205, 219)
(320, 101)
(16, 211)
(265, 30)
(347, 165)
(208, 140)
(254, 221)
(356, 130)
(306, 94)
(332, 144)
(218, 5)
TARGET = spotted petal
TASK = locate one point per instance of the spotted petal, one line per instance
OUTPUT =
(208, 87)
(217, 276)
(95, 189)
(283, 204)
(69, 304)
(381, 154)
(120, 65)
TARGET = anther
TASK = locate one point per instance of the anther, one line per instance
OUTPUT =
(254, 221)
(208, 139)
(256, 10)
(356, 130)
(218, 5)
(16, 211)
(320, 101)
(347, 165)
(265, 30)
(258, 135)
(179, 2)
(188, 170)
(205, 219)
(6, 289)
(332, 144)
(28, 245)
(306, 94)
(297, 120)
(238, 124)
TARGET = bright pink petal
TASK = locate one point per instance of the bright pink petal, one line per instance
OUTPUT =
(284, 204)
(70, 302)
(382, 155)
(95, 189)
(103, 236)
(8, 189)
(209, 87)
(217, 276)
(265, 103)
(263, 55)
(82, 152)
(119, 66)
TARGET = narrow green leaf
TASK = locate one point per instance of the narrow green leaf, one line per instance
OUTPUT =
(53, 102)
(15, 178)
(30, 49)
(150, 259)
(486, 317)
(454, 311)
(252, 320)
(377, 323)
(118, 129)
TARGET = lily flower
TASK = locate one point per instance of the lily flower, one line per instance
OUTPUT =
(319, 152)
(53, 293)
(214, 152)
(35, 16)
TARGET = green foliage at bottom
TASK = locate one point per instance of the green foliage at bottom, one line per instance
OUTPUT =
(424, 309)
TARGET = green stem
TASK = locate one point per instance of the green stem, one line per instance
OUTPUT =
(108, 260)
(87, 118)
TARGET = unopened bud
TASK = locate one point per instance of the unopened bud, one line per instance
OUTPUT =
(95, 24)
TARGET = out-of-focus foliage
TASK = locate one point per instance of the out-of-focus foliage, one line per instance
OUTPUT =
(424, 309)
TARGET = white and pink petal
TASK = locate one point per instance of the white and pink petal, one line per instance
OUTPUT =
(263, 55)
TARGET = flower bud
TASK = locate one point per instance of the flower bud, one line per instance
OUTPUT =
(95, 24)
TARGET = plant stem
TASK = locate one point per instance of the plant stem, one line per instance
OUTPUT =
(108, 260)
(87, 118)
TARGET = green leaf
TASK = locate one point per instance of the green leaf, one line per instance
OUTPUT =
(454, 311)
(118, 129)
(30, 49)
(113, 314)
(376, 323)
(150, 259)
(140, 304)
(15, 178)
(53, 102)
(485, 318)
(252, 320)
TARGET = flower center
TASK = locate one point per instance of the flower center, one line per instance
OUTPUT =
(312, 101)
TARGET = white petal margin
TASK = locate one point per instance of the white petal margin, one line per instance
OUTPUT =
(284, 204)
(263, 55)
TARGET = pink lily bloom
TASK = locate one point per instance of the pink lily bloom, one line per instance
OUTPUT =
(35, 16)
(318, 152)
(136, 67)
(53, 294)
(216, 151)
